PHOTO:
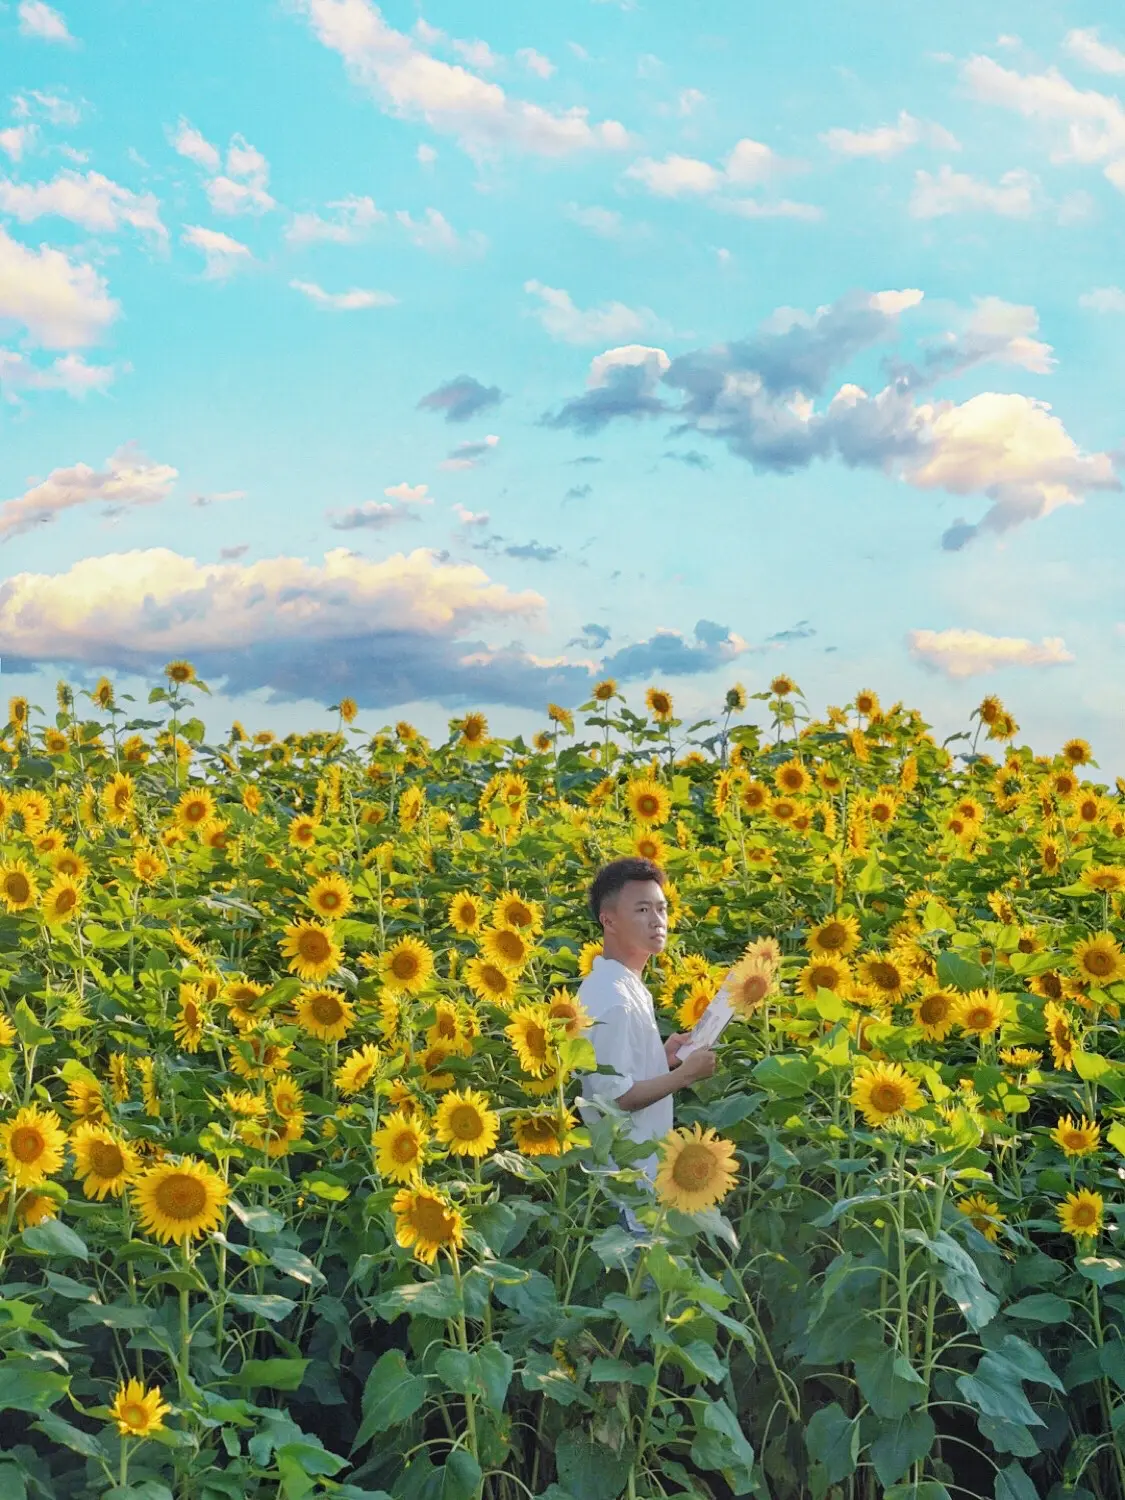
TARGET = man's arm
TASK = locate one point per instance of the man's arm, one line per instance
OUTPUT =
(647, 1091)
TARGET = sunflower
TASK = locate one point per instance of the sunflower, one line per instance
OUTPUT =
(980, 1012)
(490, 982)
(513, 910)
(1110, 879)
(138, 1412)
(325, 1014)
(1050, 855)
(697, 1169)
(824, 974)
(694, 1005)
(881, 1091)
(400, 1147)
(659, 704)
(1098, 960)
(188, 1028)
(84, 1098)
(867, 703)
(783, 686)
(406, 967)
(18, 709)
(117, 799)
(241, 997)
(792, 778)
(32, 1144)
(605, 691)
(146, 1067)
(784, 809)
(648, 801)
(530, 1035)
(330, 897)
(649, 845)
(179, 1200)
(748, 984)
(410, 806)
(563, 1007)
(933, 1014)
(119, 1076)
(311, 950)
(426, 1222)
(303, 831)
(507, 948)
(7, 1031)
(474, 729)
(768, 949)
(884, 973)
(195, 810)
(358, 1069)
(1076, 1137)
(446, 1029)
(348, 709)
(543, 1134)
(465, 913)
(34, 810)
(180, 672)
(48, 843)
(103, 1162)
(287, 1099)
(753, 796)
(1077, 752)
(61, 900)
(735, 700)
(17, 886)
(55, 742)
(882, 806)
(983, 1215)
(1081, 1214)
(466, 1123)
(834, 938)
(148, 867)
(1021, 1057)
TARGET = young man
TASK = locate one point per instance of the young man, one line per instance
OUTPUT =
(627, 899)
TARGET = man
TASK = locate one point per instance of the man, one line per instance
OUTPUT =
(627, 900)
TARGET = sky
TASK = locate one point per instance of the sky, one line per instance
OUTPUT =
(456, 356)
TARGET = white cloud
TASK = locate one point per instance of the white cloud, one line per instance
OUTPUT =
(676, 176)
(69, 373)
(426, 155)
(688, 101)
(222, 255)
(1086, 47)
(350, 301)
(353, 217)
(749, 164)
(606, 222)
(53, 108)
(1104, 299)
(218, 497)
(476, 54)
(535, 62)
(372, 515)
(948, 192)
(190, 143)
(594, 325)
(37, 19)
(15, 140)
(128, 479)
(471, 518)
(970, 653)
(434, 232)
(885, 141)
(653, 361)
(409, 494)
(780, 208)
(85, 198)
(472, 454)
(407, 81)
(243, 189)
(62, 303)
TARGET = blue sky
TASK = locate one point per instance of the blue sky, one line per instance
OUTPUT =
(454, 356)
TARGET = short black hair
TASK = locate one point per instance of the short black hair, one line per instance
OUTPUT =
(619, 872)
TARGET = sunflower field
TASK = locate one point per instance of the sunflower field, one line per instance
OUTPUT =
(297, 1197)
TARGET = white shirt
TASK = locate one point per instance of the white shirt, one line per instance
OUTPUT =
(626, 1038)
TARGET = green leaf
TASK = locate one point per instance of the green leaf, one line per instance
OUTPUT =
(959, 973)
(993, 1391)
(832, 1439)
(53, 1237)
(703, 1359)
(25, 1387)
(486, 1373)
(324, 1185)
(1090, 1066)
(274, 1374)
(1042, 1307)
(1013, 1484)
(28, 1028)
(120, 1314)
(269, 1306)
(66, 1286)
(1008, 1437)
(927, 1489)
(905, 1442)
(1024, 1362)
(13, 1480)
(621, 1372)
(260, 1220)
(589, 1470)
(391, 1396)
(300, 1267)
(1103, 1270)
(889, 1383)
(69, 1436)
(978, 1305)
(421, 1299)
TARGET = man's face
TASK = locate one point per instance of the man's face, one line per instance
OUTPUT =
(637, 916)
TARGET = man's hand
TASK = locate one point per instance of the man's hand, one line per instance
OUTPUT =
(672, 1047)
(699, 1065)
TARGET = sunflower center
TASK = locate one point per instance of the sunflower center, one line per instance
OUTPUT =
(494, 979)
(17, 886)
(1052, 985)
(934, 1008)
(405, 1148)
(647, 804)
(888, 1097)
(446, 1027)
(884, 976)
(430, 1220)
(467, 913)
(825, 977)
(362, 1074)
(1073, 1140)
(783, 810)
(465, 1122)
(27, 1143)
(65, 899)
(517, 914)
(535, 1040)
(538, 1131)
(329, 900)
(510, 944)
(69, 866)
(1084, 1215)
(753, 989)
(195, 811)
(313, 945)
(180, 1196)
(1099, 961)
(404, 965)
(106, 1159)
(694, 1167)
(326, 1009)
(832, 935)
(134, 1415)
(120, 799)
(980, 1018)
